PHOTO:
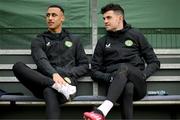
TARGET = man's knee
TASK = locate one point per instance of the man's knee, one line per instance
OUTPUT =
(121, 73)
(129, 89)
(17, 66)
(123, 68)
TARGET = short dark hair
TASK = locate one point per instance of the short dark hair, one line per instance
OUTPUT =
(57, 6)
(114, 7)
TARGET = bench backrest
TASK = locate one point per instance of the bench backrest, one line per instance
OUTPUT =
(167, 78)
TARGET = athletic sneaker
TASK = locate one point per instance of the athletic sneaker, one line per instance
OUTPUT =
(71, 89)
(66, 89)
(93, 116)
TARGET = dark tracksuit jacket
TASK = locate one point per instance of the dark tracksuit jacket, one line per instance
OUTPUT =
(124, 46)
(59, 53)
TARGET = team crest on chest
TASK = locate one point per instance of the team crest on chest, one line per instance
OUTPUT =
(128, 43)
(68, 43)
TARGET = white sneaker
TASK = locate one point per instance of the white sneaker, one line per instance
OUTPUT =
(55, 86)
(71, 89)
(66, 89)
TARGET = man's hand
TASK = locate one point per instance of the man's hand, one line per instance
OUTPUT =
(58, 79)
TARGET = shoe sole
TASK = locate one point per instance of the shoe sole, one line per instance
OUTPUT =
(86, 118)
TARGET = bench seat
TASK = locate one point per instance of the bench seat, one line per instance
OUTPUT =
(91, 100)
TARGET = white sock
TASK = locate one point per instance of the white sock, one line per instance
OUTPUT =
(55, 86)
(105, 107)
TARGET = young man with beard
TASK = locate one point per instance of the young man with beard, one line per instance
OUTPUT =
(60, 60)
(119, 61)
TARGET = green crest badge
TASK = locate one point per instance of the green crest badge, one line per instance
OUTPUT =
(128, 43)
(68, 43)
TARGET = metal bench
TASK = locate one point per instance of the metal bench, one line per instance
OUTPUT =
(95, 98)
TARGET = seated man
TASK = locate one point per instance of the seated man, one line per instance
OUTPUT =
(60, 60)
(119, 61)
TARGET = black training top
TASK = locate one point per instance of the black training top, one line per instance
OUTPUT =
(123, 46)
(59, 53)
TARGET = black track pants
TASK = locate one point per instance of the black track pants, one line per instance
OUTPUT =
(40, 86)
(128, 85)
(33, 80)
